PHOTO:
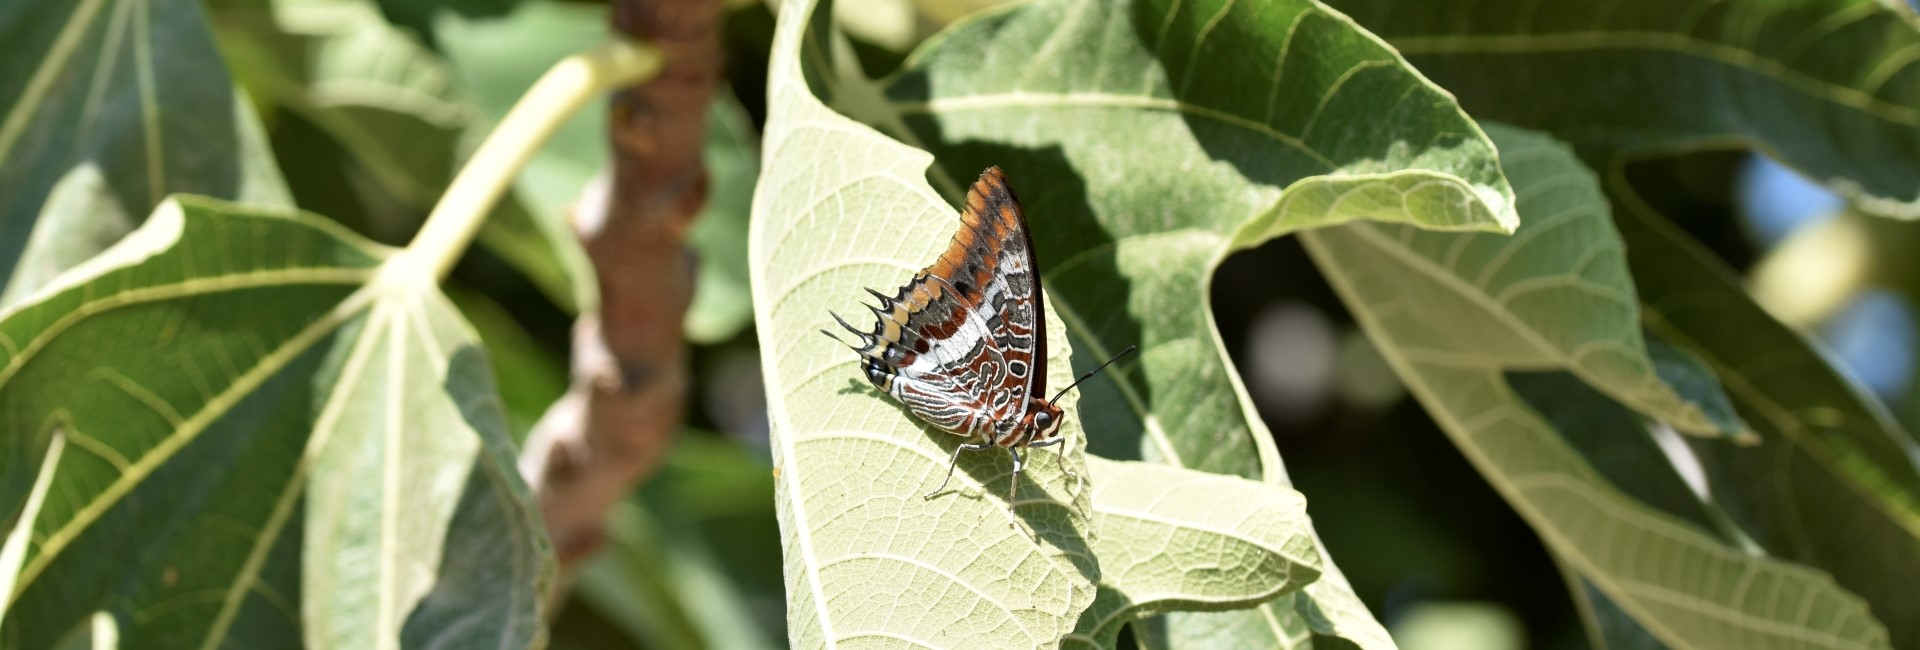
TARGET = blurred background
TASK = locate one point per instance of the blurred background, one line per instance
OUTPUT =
(694, 558)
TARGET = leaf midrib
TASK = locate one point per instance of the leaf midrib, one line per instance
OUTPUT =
(386, 611)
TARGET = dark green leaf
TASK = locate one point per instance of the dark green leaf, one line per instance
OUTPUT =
(106, 108)
(277, 433)
(1826, 86)
(1837, 483)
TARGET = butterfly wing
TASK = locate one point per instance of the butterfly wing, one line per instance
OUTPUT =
(962, 343)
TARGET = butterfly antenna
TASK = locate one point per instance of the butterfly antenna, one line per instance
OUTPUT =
(1090, 373)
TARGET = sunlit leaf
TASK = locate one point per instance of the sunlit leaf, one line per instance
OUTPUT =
(1178, 539)
(867, 557)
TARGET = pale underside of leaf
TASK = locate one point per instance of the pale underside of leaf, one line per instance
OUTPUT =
(1180, 539)
(869, 560)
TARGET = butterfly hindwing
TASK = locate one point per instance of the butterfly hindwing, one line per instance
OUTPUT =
(962, 344)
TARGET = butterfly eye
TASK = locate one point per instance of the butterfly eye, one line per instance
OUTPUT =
(875, 372)
(1043, 421)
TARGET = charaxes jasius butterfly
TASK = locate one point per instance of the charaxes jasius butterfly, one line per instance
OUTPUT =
(964, 344)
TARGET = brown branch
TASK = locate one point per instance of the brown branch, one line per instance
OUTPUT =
(629, 366)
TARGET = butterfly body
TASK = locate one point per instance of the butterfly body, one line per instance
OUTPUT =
(963, 344)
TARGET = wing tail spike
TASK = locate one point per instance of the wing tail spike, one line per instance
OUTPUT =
(841, 341)
(863, 336)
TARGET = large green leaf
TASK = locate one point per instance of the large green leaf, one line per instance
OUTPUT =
(1444, 309)
(1137, 179)
(105, 108)
(275, 433)
(1838, 484)
(1827, 86)
(1160, 137)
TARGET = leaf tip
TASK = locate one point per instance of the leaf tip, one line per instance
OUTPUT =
(1506, 218)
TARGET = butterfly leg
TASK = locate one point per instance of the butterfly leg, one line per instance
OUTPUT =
(1013, 482)
(1060, 458)
(955, 462)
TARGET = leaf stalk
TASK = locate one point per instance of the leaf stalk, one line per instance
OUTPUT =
(559, 93)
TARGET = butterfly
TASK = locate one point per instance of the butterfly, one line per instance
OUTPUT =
(964, 343)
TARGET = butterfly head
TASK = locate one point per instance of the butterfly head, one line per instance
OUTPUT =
(1043, 419)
